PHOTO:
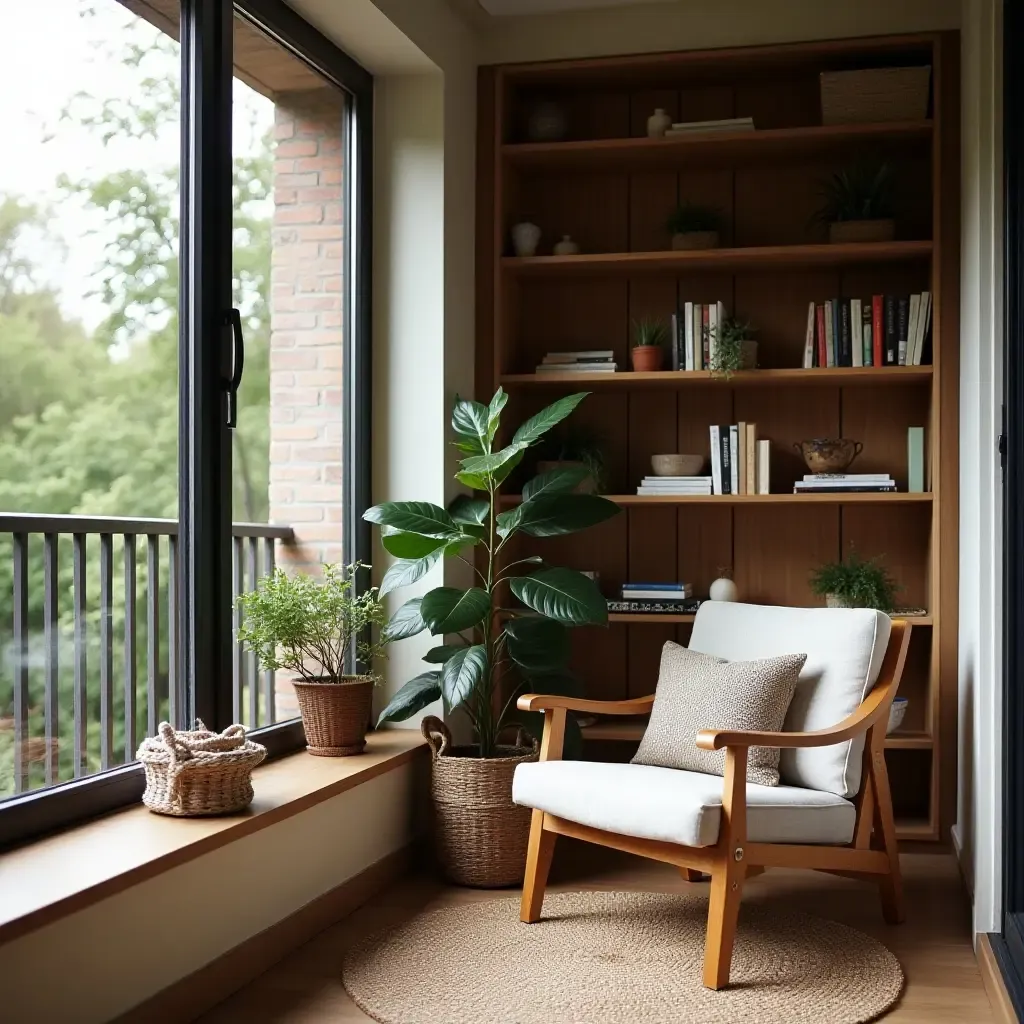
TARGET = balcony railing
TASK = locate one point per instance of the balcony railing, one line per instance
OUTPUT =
(88, 660)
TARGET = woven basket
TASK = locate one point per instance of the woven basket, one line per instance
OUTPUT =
(335, 715)
(480, 836)
(199, 773)
(874, 94)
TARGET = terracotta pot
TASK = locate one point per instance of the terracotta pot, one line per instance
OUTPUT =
(335, 715)
(646, 358)
(586, 486)
(861, 231)
(828, 455)
(695, 240)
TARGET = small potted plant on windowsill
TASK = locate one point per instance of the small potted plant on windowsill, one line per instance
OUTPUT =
(734, 349)
(855, 583)
(648, 349)
(310, 626)
(857, 205)
(692, 226)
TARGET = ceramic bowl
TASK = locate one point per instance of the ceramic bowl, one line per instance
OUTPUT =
(828, 455)
(677, 465)
(897, 710)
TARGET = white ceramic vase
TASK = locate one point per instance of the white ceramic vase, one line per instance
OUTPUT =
(658, 123)
(723, 589)
(566, 247)
(525, 238)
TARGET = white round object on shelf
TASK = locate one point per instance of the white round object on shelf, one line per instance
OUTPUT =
(723, 589)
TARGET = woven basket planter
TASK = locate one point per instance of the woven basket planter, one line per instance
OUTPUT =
(193, 774)
(335, 715)
(480, 836)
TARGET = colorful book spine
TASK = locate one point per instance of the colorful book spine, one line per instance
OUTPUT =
(915, 460)
(877, 334)
(705, 335)
(866, 335)
(845, 334)
(819, 314)
(891, 335)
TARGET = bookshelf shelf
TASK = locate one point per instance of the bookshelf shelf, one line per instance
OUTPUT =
(752, 257)
(848, 498)
(837, 376)
(712, 147)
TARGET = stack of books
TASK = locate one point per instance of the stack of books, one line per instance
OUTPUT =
(594, 361)
(656, 598)
(695, 334)
(740, 463)
(725, 124)
(675, 485)
(885, 330)
(839, 483)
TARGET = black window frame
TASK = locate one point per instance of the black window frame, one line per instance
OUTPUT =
(205, 632)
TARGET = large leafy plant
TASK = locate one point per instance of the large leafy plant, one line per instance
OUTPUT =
(491, 649)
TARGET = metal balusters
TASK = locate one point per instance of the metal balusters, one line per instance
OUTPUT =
(81, 697)
(238, 661)
(152, 634)
(253, 673)
(130, 650)
(173, 694)
(268, 674)
(106, 651)
(21, 743)
(51, 691)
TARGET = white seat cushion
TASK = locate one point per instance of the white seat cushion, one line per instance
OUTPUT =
(844, 648)
(675, 806)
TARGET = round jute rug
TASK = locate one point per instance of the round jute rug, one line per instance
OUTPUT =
(616, 958)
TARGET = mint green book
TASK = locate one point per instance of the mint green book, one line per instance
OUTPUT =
(915, 460)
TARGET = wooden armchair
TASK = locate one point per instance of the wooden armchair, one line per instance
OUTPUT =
(868, 849)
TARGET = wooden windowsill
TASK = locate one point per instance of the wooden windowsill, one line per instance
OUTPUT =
(49, 879)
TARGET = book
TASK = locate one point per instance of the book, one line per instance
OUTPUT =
(845, 334)
(915, 357)
(687, 358)
(686, 607)
(915, 460)
(726, 460)
(698, 341)
(644, 585)
(856, 332)
(764, 451)
(914, 316)
(713, 310)
(863, 477)
(877, 335)
(587, 356)
(656, 593)
(716, 459)
(819, 314)
(846, 489)
(677, 479)
(866, 335)
(830, 341)
(890, 328)
(740, 456)
(649, 491)
(718, 122)
(751, 459)
(577, 368)
(734, 462)
(705, 336)
(673, 339)
(837, 331)
(902, 324)
(809, 338)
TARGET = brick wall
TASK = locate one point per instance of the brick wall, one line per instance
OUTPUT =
(306, 334)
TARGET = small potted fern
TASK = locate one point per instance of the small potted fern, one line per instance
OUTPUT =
(692, 226)
(857, 204)
(734, 348)
(312, 627)
(648, 348)
(855, 583)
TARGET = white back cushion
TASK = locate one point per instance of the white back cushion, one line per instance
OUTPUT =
(844, 648)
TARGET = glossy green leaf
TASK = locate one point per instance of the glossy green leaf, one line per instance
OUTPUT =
(406, 622)
(494, 413)
(407, 571)
(536, 426)
(470, 511)
(451, 610)
(413, 697)
(551, 515)
(420, 517)
(563, 480)
(562, 594)
(409, 545)
(485, 464)
(469, 421)
(500, 475)
(537, 644)
(474, 481)
(440, 654)
(463, 673)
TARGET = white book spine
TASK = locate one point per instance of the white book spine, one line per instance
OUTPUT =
(698, 339)
(809, 338)
(688, 334)
(734, 462)
(923, 319)
(913, 320)
(856, 328)
(764, 452)
(712, 332)
(716, 460)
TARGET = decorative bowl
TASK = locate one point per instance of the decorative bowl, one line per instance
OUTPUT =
(677, 465)
(897, 710)
(828, 455)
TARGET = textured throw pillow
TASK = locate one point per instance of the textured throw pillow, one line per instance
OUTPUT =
(698, 691)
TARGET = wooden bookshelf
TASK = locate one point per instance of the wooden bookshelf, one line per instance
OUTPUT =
(611, 188)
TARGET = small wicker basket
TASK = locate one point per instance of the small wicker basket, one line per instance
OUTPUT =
(198, 773)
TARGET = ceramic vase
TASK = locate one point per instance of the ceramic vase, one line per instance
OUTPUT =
(723, 589)
(566, 247)
(658, 123)
(525, 237)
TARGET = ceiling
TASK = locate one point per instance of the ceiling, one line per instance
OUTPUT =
(505, 8)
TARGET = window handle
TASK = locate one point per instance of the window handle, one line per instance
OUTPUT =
(231, 386)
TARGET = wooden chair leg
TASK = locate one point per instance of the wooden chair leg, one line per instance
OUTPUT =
(691, 875)
(538, 864)
(723, 914)
(891, 884)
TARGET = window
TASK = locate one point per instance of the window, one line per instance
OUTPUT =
(121, 264)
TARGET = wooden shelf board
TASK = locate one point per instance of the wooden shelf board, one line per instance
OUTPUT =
(908, 741)
(767, 257)
(710, 147)
(836, 376)
(846, 498)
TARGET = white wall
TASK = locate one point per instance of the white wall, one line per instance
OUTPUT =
(978, 831)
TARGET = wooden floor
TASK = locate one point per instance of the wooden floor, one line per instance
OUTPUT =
(934, 946)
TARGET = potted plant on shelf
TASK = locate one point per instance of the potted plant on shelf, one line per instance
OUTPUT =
(648, 348)
(734, 348)
(310, 627)
(574, 448)
(857, 204)
(855, 583)
(495, 639)
(692, 226)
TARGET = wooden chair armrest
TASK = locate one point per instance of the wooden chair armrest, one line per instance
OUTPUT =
(549, 702)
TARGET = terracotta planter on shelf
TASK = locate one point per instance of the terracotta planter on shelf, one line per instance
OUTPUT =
(695, 240)
(646, 358)
(841, 231)
(335, 715)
